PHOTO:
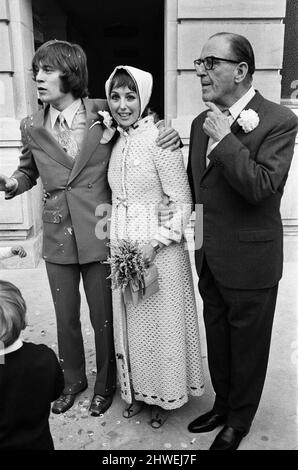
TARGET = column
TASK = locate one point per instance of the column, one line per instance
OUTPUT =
(20, 220)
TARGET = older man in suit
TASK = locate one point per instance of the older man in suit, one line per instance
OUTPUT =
(240, 155)
(68, 144)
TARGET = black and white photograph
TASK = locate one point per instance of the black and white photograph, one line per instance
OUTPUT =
(148, 228)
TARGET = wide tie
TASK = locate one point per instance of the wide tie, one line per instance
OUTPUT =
(66, 138)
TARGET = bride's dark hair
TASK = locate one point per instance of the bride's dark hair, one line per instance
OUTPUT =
(122, 79)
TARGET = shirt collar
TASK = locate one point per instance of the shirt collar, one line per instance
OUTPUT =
(13, 347)
(68, 113)
(237, 107)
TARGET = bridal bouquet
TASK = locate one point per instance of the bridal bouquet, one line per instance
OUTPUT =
(129, 272)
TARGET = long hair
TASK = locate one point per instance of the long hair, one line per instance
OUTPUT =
(12, 313)
(70, 60)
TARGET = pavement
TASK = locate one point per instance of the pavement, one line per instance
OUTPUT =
(275, 426)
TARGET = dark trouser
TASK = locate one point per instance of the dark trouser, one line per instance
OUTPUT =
(238, 330)
(64, 281)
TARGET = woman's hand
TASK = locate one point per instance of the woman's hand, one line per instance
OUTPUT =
(149, 254)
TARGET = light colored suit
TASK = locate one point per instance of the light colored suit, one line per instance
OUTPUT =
(74, 187)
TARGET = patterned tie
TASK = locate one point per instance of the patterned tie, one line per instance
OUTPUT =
(65, 138)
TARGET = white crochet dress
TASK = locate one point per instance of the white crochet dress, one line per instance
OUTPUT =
(159, 338)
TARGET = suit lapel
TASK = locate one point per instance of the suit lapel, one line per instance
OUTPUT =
(46, 140)
(253, 104)
(236, 129)
(93, 134)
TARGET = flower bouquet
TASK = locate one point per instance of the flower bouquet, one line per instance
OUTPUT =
(130, 274)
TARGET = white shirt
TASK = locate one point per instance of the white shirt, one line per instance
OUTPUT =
(68, 113)
(237, 107)
(234, 110)
(13, 347)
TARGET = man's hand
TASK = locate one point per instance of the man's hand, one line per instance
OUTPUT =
(148, 254)
(165, 210)
(216, 124)
(168, 137)
(7, 184)
(19, 250)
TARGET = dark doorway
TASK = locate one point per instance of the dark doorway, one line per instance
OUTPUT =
(112, 32)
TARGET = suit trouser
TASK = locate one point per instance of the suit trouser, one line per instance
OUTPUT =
(64, 281)
(238, 327)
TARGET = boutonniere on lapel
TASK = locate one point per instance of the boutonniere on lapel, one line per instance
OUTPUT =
(108, 123)
(248, 120)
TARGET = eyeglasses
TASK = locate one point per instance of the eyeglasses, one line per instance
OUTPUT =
(209, 62)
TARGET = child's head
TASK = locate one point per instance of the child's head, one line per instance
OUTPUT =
(12, 313)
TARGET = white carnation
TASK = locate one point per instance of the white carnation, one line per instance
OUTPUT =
(248, 120)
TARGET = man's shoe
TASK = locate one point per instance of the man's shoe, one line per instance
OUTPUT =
(228, 439)
(100, 404)
(63, 403)
(207, 422)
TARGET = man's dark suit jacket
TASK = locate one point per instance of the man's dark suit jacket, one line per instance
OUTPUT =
(30, 379)
(241, 190)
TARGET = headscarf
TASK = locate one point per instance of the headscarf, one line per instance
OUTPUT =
(143, 81)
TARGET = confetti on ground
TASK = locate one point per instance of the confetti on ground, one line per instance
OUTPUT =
(118, 422)
(193, 440)
(137, 422)
(90, 433)
(167, 445)
(183, 445)
(43, 332)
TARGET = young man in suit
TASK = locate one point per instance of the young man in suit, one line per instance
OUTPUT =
(238, 166)
(65, 144)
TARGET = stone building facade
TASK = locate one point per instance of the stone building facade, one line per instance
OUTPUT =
(163, 36)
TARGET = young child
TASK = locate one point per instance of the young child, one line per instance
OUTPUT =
(30, 379)
(8, 251)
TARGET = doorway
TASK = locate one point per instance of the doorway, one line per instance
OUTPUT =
(111, 32)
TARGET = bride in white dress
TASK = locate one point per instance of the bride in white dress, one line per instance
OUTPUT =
(157, 342)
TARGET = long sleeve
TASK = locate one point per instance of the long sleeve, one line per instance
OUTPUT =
(5, 252)
(260, 177)
(174, 181)
(59, 379)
